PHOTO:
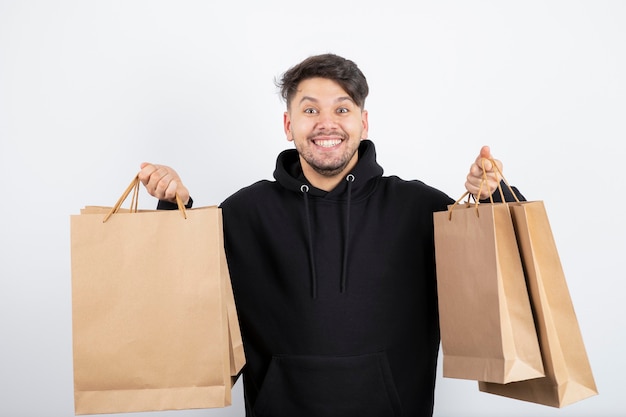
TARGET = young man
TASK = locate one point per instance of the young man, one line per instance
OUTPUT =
(332, 264)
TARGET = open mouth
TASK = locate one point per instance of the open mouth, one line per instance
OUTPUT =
(327, 143)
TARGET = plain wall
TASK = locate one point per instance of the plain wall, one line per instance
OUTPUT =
(90, 89)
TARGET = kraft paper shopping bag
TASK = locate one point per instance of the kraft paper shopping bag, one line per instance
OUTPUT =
(154, 324)
(487, 328)
(568, 372)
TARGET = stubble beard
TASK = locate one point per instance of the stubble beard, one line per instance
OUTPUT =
(325, 166)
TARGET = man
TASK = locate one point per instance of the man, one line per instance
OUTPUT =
(332, 264)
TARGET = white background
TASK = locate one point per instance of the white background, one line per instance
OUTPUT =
(90, 89)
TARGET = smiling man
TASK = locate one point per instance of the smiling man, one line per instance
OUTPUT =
(332, 264)
(327, 127)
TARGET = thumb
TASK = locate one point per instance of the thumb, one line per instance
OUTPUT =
(485, 152)
(484, 160)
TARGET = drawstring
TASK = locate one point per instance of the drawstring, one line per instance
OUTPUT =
(344, 272)
(305, 193)
(346, 243)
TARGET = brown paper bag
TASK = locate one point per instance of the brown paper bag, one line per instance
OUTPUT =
(235, 342)
(568, 372)
(487, 329)
(154, 324)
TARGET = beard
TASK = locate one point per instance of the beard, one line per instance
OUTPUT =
(331, 164)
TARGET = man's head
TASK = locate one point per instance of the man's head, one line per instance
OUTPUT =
(325, 118)
(333, 67)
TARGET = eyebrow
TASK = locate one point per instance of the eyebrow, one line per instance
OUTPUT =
(337, 100)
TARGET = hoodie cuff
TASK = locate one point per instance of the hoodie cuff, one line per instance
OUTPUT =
(168, 205)
(508, 196)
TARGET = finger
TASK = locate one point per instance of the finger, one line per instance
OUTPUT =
(476, 170)
(485, 190)
(475, 188)
(499, 165)
(492, 170)
(476, 180)
(486, 165)
(149, 177)
(146, 171)
(160, 180)
(170, 190)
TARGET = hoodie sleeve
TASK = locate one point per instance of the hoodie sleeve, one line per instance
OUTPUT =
(167, 205)
(508, 195)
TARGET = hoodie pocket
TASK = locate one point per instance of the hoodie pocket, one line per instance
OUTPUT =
(329, 386)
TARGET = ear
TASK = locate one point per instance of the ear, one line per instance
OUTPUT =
(365, 123)
(287, 126)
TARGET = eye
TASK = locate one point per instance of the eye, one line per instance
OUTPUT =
(342, 110)
(310, 110)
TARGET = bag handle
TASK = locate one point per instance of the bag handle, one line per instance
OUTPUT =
(134, 187)
(482, 183)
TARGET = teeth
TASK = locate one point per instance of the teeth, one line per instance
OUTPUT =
(327, 143)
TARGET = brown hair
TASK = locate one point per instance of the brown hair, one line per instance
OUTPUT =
(343, 71)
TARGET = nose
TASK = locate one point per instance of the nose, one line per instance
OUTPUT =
(327, 120)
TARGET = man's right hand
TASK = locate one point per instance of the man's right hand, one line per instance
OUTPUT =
(163, 182)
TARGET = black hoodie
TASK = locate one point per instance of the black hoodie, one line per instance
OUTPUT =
(336, 292)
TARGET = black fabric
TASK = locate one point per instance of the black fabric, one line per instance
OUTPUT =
(313, 350)
(168, 205)
(360, 386)
(369, 350)
(508, 194)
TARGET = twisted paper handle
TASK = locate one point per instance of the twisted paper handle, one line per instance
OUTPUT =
(480, 188)
(134, 187)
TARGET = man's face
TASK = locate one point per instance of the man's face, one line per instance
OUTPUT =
(326, 127)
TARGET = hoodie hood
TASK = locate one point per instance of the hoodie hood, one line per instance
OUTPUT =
(289, 173)
(356, 185)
